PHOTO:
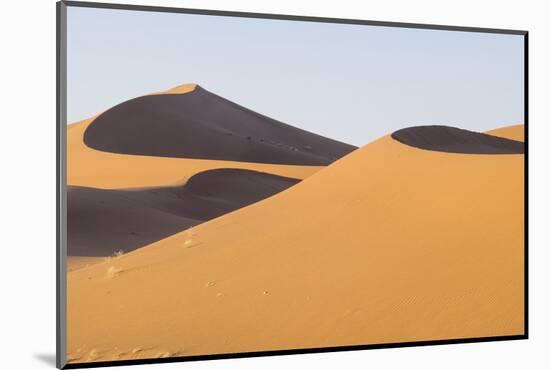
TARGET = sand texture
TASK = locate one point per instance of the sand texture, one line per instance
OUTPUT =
(390, 243)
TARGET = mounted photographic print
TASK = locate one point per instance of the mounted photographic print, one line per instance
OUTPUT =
(236, 184)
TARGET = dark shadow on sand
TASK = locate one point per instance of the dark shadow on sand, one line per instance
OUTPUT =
(202, 125)
(101, 222)
(456, 140)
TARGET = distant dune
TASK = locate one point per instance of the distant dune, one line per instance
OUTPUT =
(286, 145)
(202, 125)
(515, 132)
(455, 140)
(391, 243)
(92, 168)
(120, 201)
(103, 222)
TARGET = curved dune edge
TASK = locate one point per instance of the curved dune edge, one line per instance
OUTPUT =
(203, 125)
(181, 89)
(101, 223)
(92, 168)
(389, 244)
(455, 140)
(514, 132)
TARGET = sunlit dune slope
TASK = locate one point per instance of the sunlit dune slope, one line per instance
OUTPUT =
(389, 244)
(77, 262)
(515, 132)
(181, 89)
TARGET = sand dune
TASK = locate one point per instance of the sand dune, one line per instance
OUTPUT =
(515, 132)
(88, 167)
(202, 125)
(455, 140)
(103, 222)
(92, 168)
(391, 243)
(181, 89)
(77, 262)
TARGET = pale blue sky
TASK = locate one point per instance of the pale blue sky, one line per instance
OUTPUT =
(352, 83)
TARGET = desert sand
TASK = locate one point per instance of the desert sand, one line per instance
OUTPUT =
(181, 89)
(119, 201)
(390, 243)
(455, 140)
(514, 132)
(96, 169)
(115, 169)
(202, 125)
(104, 222)
(78, 262)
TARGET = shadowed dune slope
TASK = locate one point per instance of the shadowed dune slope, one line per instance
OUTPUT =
(202, 125)
(514, 132)
(88, 167)
(455, 140)
(389, 244)
(102, 222)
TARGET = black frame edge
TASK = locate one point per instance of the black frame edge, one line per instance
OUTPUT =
(526, 181)
(303, 351)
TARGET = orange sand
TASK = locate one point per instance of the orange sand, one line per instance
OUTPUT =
(181, 89)
(388, 244)
(76, 262)
(515, 132)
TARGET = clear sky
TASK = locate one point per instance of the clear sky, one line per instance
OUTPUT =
(352, 83)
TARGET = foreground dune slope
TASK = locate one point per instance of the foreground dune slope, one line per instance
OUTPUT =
(389, 244)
